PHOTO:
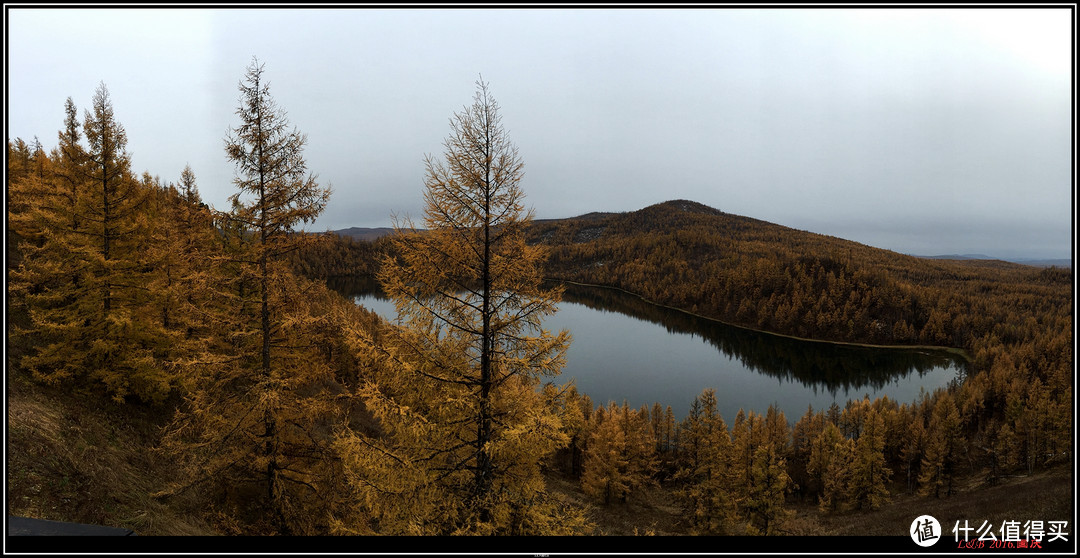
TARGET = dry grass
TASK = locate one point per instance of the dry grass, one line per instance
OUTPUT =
(66, 462)
(1047, 495)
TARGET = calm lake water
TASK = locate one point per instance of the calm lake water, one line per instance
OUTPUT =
(627, 349)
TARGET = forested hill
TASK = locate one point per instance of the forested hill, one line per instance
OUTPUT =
(766, 276)
(1012, 411)
(363, 233)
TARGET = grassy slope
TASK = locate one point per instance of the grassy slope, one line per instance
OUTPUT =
(70, 462)
(1046, 495)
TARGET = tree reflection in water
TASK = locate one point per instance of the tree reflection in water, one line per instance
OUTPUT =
(647, 373)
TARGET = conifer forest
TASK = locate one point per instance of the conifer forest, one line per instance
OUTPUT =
(266, 403)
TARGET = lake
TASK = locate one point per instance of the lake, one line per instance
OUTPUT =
(627, 349)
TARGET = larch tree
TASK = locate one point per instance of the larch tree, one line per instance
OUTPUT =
(706, 468)
(620, 458)
(769, 487)
(606, 470)
(914, 440)
(35, 274)
(182, 243)
(258, 389)
(71, 159)
(869, 475)
(830, 467)
(942, 448)
(759, 472)
(464, 421)
(86, 283)
(125, 342)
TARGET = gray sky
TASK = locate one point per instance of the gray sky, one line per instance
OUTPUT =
(920, 131)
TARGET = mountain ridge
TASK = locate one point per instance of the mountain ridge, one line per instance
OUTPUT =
(693, 207)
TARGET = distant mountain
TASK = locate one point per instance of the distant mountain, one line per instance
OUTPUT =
(1045, 263)
(959, 257)
(655, 215)
(594, 216)
(364, 233)
(1067, 263)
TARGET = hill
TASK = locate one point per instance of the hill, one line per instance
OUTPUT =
(364, 233)
(1063, 263)
(766, 276)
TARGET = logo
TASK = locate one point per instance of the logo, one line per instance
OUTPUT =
(925, 530)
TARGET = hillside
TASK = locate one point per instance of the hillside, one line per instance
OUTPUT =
(1000, 441)
(1065, 263)
(96, 465)
(766, 276)
(364, 233)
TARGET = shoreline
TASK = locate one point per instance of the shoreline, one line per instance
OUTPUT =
(952, 350)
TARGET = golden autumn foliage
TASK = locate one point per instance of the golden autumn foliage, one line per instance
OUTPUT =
(620, 455)
(1014, 321)
(705, 468)
(81, 279)
(302, 414)
(463, 424)
(259, 392)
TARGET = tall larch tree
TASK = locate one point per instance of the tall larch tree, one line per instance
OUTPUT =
(87, 283)
(606, 469)
(942, 449)
(770, 484)
(259, 389)
(70, 157)
(464, 422)
(705, 471)
(34, 272)
(830, 467)
(869, 474)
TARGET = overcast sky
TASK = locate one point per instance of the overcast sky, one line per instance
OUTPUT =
(920, 131)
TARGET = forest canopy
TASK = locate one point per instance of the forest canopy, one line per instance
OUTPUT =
(293, 411)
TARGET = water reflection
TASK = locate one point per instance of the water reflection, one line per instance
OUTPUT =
(627, 349)
(831, 367)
